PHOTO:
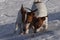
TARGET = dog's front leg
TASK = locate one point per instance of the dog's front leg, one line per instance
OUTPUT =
(27, 28)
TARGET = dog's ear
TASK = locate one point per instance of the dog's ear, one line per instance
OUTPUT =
(22, 7)
(43, 18)
(23, 11)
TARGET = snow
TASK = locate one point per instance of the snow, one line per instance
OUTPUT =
(8, 15)
(2, 0)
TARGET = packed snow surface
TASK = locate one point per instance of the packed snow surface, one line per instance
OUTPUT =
(8, 14)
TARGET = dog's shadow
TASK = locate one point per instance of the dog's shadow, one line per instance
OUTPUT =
(7, 30)
(54, 16)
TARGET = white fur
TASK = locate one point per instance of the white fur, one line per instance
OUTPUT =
(27, 28)
(46, 23)
(42, 10)
(38, 29)
(44, 26)
(16, 27)
(25, 16)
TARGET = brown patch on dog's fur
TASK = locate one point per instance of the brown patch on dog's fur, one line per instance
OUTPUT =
(29, 19)
(38, 22)
(30, 16)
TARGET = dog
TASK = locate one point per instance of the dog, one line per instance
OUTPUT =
(40, 14)
(20, 20)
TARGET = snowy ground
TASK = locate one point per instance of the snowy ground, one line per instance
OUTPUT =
(8, 15)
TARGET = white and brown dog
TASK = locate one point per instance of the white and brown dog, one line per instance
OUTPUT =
(41, 16)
